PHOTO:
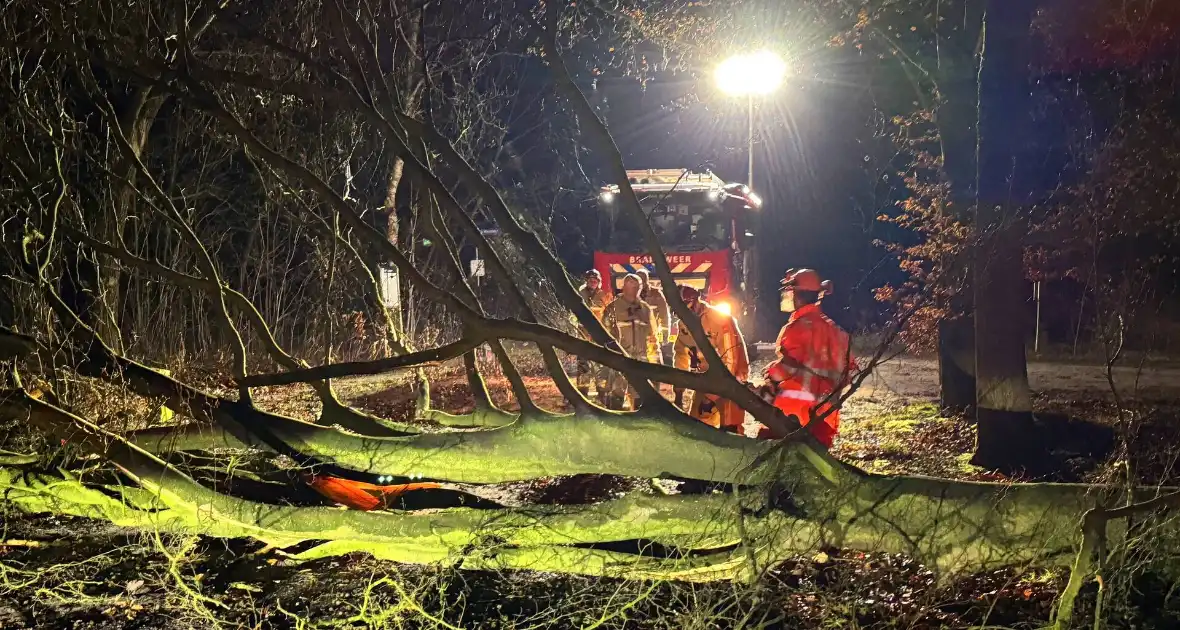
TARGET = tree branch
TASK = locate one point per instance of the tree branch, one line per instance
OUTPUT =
(333, 409)
(618, 172)
(379, 366)
(491, 197)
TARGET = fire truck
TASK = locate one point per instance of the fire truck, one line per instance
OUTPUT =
(705, 226)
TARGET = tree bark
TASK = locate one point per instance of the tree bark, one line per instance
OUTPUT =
(956, 363)
(1003, 402)
(956, 114)
(136, 118)
(407, 70)
(949, 526)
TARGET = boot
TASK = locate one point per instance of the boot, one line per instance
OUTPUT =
(602, 398)
(615, 402)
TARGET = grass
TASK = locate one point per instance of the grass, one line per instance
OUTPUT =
(907, 438)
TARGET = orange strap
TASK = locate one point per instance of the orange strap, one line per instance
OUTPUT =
(359, 495)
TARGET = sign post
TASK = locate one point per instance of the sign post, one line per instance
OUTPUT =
(1037, 327)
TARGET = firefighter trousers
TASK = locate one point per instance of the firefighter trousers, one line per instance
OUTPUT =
(824, 430)
(588, 373)
(717, 412)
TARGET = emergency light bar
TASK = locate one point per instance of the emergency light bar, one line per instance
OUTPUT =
(666, 180)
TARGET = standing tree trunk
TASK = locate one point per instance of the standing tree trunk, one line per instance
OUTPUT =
(956, 363)
(407, 71)
(395, 179)
(136, 119)
(1003, 400)
(957, 114)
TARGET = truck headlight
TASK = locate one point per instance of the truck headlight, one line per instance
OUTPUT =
(724, 307)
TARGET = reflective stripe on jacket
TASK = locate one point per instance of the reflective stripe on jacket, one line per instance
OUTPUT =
(659, 304)
(814, 355)
(725, 337)
(633, 325)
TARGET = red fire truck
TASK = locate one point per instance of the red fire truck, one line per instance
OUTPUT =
(705, 226)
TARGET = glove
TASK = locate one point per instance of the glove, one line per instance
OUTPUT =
(767, 391)
(776, 372)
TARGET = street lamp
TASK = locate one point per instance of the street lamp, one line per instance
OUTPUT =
(750, 75)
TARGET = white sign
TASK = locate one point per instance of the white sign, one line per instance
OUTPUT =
(477, 269)
(390, 288)
(673, 259)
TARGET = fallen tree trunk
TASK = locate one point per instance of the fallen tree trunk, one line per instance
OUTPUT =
(538, 446)
(949, 526)
(535, 445)
(197, 436)
(803, 501)
(632, 446)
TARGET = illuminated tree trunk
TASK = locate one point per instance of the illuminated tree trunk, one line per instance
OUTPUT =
(406, 71)
(812, 503)
(1003, 401)
(956, 363)
(106, 280)
(956, 114)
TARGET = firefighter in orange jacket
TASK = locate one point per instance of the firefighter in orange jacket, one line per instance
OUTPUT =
(726, 338)
(815, 361)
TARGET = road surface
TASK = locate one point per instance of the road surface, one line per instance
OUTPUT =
(915, 378)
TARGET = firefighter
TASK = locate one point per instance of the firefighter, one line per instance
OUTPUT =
(659, 304)
(726, 338)
(632, 323)
(595, 298)
(815, 361)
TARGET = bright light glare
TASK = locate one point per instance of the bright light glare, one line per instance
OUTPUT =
(756, 73)
(607, 197)
(724, 307)
(754, 200)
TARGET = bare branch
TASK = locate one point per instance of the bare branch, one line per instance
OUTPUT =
(379, 366)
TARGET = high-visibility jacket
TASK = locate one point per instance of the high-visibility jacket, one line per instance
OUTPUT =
(595, 300)
(659, 304)
(587, 373)
(726, 338)
(633, 325)
(815, 361)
